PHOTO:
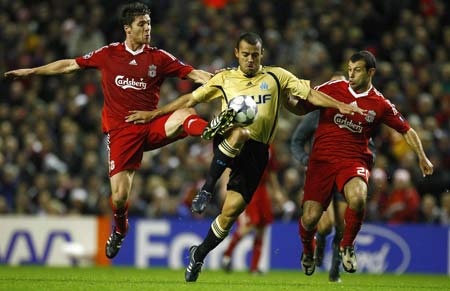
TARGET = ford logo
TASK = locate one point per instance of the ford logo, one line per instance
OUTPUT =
(379, 250)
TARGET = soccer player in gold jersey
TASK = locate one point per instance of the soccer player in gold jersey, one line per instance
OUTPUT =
(243, 149)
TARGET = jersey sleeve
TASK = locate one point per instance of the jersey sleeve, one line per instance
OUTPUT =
(209, 91)
(173, 67)
(291, 85)
(94, 59)
(393, 118)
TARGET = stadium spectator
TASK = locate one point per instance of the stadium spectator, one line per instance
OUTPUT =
(445, 208)
(133, 82)
(379, 193)
(429, 210)
(403, 201)
(340, 156)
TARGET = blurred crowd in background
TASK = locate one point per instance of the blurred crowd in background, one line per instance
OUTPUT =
(53, 158)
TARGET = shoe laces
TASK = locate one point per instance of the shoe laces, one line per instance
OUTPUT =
(116, 239)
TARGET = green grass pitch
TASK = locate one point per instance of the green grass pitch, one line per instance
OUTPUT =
(35, 278)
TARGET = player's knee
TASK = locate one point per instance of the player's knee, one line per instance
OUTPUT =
(119, 198)
(312, 211)
(239, 135)
(357, 200)
(324, 228)
(310, 220)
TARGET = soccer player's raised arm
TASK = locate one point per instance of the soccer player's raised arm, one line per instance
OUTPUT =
(320, 99)
(138, 116)
(199, 76)
(58, 67)
(414, 142)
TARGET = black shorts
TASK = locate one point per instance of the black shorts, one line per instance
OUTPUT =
(247, 168)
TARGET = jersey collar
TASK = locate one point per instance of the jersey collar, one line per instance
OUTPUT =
(359, 95)
(257, 73)
(136, 52)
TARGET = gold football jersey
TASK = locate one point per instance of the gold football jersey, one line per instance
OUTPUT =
(267, 87)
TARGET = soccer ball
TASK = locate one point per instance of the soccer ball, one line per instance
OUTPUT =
(245, 108)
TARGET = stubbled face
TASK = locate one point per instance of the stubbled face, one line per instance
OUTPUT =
(358, 76)
(249, 57)
(139, 30)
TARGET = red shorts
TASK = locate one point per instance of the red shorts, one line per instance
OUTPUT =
(322, 176)
(126, 145)
(259, 210)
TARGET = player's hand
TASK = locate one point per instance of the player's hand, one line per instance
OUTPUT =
(426, 166)
(140, 117)
(18, 73)
(351, 109)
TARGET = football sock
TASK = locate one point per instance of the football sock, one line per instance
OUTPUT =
(234, 241)
(337, 237)
(194, 125)
(257, 246)
(307, 238)
(320, 238)
(120, 216)
(223, 155)
(215, 236)
(353, 221)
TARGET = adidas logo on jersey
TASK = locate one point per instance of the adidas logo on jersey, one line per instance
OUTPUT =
(133, 62)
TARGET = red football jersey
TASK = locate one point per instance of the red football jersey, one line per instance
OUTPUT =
(342, 136)
(131, 80)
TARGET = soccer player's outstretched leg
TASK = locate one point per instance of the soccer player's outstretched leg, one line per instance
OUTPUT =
(225, 151)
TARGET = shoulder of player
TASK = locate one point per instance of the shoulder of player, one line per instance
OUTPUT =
(374, 92)
(159, 51)
(275, 70)
(333, 83)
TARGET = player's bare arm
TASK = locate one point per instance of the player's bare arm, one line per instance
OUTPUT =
(414, 142)
(58, 67)
(199, 76)
(321, 99)
(140, 117)
(295, 105)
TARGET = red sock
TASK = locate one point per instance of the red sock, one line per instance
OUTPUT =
(307, 237)
(257, 246)
(234, 241)
(353, 221)
(120, 218)
(194, 125)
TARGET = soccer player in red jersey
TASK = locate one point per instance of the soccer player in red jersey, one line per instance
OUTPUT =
(257, 216)
(132, 74)
(340, 156)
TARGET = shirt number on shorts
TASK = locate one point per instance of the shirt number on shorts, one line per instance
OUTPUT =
(362, 171)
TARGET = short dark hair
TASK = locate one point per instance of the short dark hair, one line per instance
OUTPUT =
(249, 37)
(367, 57)
(129, 11)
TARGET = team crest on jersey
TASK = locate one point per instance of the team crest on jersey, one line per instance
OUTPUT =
(264, 86)
(152, 71)
(88, 55)
(370, 117)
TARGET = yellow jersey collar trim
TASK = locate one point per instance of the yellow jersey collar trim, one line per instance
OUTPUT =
(260, 71)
